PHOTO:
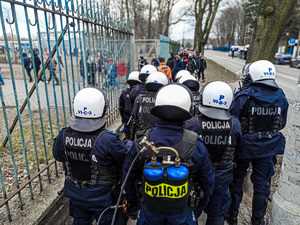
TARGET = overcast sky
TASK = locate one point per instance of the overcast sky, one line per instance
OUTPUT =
(176, 31)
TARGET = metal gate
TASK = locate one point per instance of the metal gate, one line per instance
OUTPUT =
(64, 45)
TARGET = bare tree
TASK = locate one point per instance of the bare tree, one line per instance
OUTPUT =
(8, 15)
(205, 13)
(227, 26)
(273, 16)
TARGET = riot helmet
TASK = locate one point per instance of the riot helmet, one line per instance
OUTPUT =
(133, 78)
(216, 98)
(155, 81)
(89, 110)
(173, 103)
(190, 81)
(261, 71)
(180, 74)
(145, 71)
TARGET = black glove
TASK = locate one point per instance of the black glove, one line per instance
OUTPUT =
(132, 209)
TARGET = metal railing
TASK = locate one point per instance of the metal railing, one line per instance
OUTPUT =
(82, 44)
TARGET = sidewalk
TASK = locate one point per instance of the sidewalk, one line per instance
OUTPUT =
(61, 92)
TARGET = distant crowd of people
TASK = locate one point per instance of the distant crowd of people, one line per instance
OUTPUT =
(186, 59)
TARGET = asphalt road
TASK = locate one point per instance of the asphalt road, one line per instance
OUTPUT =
(286, 77)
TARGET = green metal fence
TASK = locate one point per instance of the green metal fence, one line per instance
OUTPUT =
(167, 45)
(80, 42)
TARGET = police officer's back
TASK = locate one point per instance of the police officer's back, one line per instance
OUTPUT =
(141, 116)
(140, 88)
(262, 109)
(192, 83)
(166, 188)
(221, 133)
(92, 158)
(125, 105)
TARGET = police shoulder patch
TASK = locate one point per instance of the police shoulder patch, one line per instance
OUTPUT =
(111, 132)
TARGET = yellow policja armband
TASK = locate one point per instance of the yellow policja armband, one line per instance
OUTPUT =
(166, 190)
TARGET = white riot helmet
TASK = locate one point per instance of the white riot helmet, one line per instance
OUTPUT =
(261, 71)
(155, 81)
(133, 78)
(145, 71)
(173, 102)
(180, 74)
(190, 81)
(89, 110)
(216, 98)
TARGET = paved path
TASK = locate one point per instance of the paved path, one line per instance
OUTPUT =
(286, 76)
(61, 92)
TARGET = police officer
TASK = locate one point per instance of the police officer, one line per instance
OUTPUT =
(142, 118)
(125, 105)
(192, 83)
(140, 88)
(262, 110)
(221, 133)
(92, 159)
(180, 74)
(166, 187)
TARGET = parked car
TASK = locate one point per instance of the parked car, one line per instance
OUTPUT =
(242, 53)
(236, 50)
(281, 58)
(295, 62)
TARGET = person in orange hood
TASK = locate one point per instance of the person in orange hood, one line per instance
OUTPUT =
(164, 68)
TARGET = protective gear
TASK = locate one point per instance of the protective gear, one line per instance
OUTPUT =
(216, 136)
(89, 110)
(80, 168)
(166, 186)
(142, 118)
(216, 98)
(262, 118)
(146, 71)
(181, 73)
(169, 133)
(176, 107)
(133, 78)
(245, 69)
(190, 81)
(261, 71)
(155, 81)
(88, 200)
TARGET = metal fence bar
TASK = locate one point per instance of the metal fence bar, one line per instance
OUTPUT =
(83, 36)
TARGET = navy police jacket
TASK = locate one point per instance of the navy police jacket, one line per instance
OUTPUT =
(125, 105)
(109, 151)
(136, 90)
(262, 111)
(169, 133)
(236, 133)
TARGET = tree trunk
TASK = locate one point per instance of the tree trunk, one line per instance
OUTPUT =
(210, 10)
(127, 9)
(270, 23)
(149, 20)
